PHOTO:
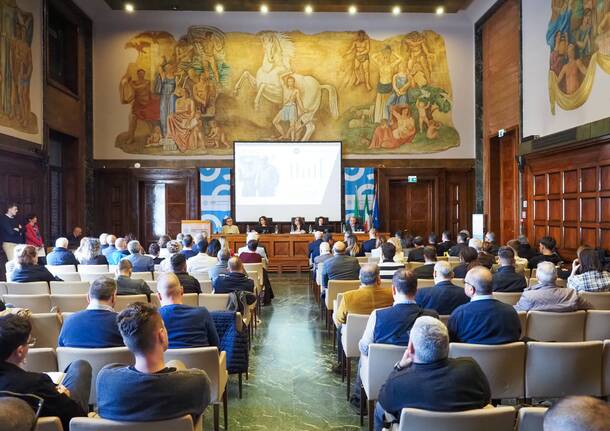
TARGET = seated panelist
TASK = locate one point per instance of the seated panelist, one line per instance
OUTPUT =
(263, 225)
(229, 228)
(298, 225)
(353, 225)
(322, 225)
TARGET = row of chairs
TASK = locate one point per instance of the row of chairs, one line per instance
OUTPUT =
(184, 423)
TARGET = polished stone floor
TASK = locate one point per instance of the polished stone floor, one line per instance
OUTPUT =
(291, 386)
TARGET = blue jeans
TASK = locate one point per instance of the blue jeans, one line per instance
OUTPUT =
(379, 417)
(78, 382)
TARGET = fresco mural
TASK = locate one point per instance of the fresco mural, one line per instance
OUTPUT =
(198, 94)
(578, 35)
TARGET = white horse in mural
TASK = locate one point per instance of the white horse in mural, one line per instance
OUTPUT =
(279, 50)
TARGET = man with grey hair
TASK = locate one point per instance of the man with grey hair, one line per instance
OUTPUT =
(103, 241)
(485, 259)
(489, 243)
(323, 257)
(173, 247)
(426, 378)
(525, 250)
(16, 414)
(445, 296)
(110, 240)
(120, 253)
(547, 296)
(340, 266)
(140, 262)
(253, 236)
(94, 327)
(61, 255)
(578, 413)
(221, 267)
(484, 320)
(313, 248)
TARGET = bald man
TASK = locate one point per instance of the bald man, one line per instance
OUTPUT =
(484, 320)
(186, 326)
(120, 253)
(235, 280)
(110, 240)
(340, 266)
(16, 415)
(578, 414)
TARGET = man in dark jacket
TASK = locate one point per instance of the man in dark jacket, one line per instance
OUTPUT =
(445, 296)
(313, 248)
(68, 400)
(445, 245)
(61, 255)
(189, 283)
(417, 254)
(507, 279)
(426, 271)
(11, 231)
(462, 242)
(75, 237)
(127, 285)
(369, 244)
(235, 280)
(140, 262)
(340, 266)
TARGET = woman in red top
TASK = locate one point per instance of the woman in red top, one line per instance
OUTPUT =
(33, 236)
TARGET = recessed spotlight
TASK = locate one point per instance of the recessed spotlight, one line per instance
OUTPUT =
(129, 8)
(440, 10)
(264, 8)
(219, 8)
(396, 10)
(352, 10)
(309, 9)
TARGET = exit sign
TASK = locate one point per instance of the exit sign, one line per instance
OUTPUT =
(501, 133)
(412, 179)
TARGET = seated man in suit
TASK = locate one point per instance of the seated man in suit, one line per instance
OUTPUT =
(120, 253)
(323, 257)
(222, 265)
(96, 326)
(61, 255)
(462, 242)
(445, 296)
(110, 240)
(483, 258)
(68, 400)
(127, 285)
(445, 244)
(417, 254)
(484, 320)
(547, 296)
(189, 283)
(235, 280)
(353, 225)
(313, 248)
(468, 257)
(490, 243)
(186, 326)
(426, 271)
(426, 378)
(387, 268)
(75, 237)
(187, 246)
(506, 278)
(139, 262)
(149, 390)
(340, 266)
(578, 413)
(369, 244)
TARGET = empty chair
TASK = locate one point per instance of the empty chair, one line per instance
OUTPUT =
(606, 369)
(67, 303)
(146, 276)
(339, 286)
(45, 329)
(92, 276)
(34, 303)
(60, 269)
(98, 358)
(93, 269)
(363, 259)
(41, 360)
(33, 288)
(70, 276)
(49, 423)
(549, 326)
(554, 370)
(69, 287)
(258, 267)
(599, 300)
(206, 286)
(122, 301)
(504, 366)
(597, 326)
(351, 333)
(486, 419)
(510, 298)
(531, 418)
(214, 302)
(185, 423)
(200, 275)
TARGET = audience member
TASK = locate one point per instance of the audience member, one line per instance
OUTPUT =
(578, 413)
(120, 253)
(66, 401)
(547, 296)
(110, 240)
(369, 244)
(149, 390)
(313, 248)
(432, 240)
(11, 231)
(324, 255)
(445, 244)
(483, 258)
(16, 414)
(587, 273)
(189, 283)
(353, 248)
(222, 266)
(484, 320)
(260, 250)
(489, 244)
(546, 247)
(506, 278)
(186, 326)
(426, 271)
(75, 237)
(13, 263)
(445, 296)
(235, 280)
(462, 242)
(96, 326)
(202, 261)
(91, 252)
(163, 241)
(468, 260)
(27, 268)
(187, 246)
(127, 285)
(213, 248)
(525, 250)
(251, 256)
(139, 261)
(426, 378)
(32, 234)
(519, 261)
(388, 267)
(153, 252)
(103, 238)
(340, 267)
(173, 248)
(417, 253)
(61, 255)
(229, 228)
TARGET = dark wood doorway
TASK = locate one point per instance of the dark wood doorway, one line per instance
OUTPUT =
(163, 206)
(412, 206)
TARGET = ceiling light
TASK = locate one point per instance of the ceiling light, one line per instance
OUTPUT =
(129, 8)
(219, 8)
(264, 8)
(352, 10)
(396, 10)
(309, 9)
(440, 10)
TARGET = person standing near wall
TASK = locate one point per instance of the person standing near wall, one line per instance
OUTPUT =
(11, 231)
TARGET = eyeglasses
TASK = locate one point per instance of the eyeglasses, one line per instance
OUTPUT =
(31, 341)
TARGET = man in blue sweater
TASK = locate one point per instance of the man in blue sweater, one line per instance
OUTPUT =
(445, 296)
(186, 326)
(140, 262)
(61, 255)
(96, 326)
(483, 320)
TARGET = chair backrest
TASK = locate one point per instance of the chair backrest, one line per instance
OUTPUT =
(424, 282)
(45, 328)
(560, 282)
(113, 268)
(60, 269)
(32, 288)
(444, 318)
(531, 418)
(458, 281)
(69, 287)
(201, 275)
(339, 286)
(375, 369)
(34, 303)
(93, 269)
(496, 419)
(599, 300)
(523, 322)
(598, 325)
(122, 301)
(70, 276)
(362, 259)
(352, 333)
(146, 276)
(214, 301)
(41, 360)
(97, 358)
(258, 267)
(92, 276)
(554, 370)
(49, 423)
(606, 369)
(504, 366)
(206, 286)
(69, 302)
(185, 423)
(201, 358)
(549, 326)
(152, 285)
(413, 265)
(510, 298)
(2, 288)
(191, 299)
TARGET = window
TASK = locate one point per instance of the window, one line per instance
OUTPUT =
(62, 36)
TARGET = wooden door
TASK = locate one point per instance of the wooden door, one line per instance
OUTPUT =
(163, 206)
(412, 206)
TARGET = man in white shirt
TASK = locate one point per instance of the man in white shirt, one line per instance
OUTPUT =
(260, 250)
(200, 262)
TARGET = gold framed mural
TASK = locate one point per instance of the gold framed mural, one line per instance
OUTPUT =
(198, 94)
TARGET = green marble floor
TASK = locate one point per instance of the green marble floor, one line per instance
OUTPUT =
(291, 386)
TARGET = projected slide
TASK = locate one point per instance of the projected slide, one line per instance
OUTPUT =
(287, 179)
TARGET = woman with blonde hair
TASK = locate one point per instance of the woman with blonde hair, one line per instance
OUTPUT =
(399, 257)
(91, 252)
(353, 248)
(28, 270)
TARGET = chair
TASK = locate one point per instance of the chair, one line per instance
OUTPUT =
(485, 419)
(423, 282)
(606, 369)
(206, 286)
(412, 265)
(185, 423)
(597, 326)
(351, 333)
(338, 286)
(374, 371)
(45, 328)
(213, 301)
(34, 303)
(69, 287)
(531, 418)
(549, 326)
(146, 276)
(362, 259)
(113, 268)
(123, 301)
(258, 267)
(33, 288)
(2, 288)
(214, 363)
(510, 298)
(152, 285)
(70, 276)
(560, 282)
(504, 366)
(444, 318)
(61, 269)
(191, 299)
(200, 275)
(49, 423)
(66, 303)
(458, 281)
(554, 370)
(41, 360)
(93, 269)
(599, 300)
(92, 276)
(523, 321)
(97, 358)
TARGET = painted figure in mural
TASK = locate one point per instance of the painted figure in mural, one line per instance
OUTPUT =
(422, 114)
(21, 68)
(217, 136)
(184, 56)
(603, 32)
(559, 55)
(400, 86)
(584, 35)
(165, 85)
(192, 78)
(208, 48)
(204, 94)
(405, 124)
(292, 108)
(144, 106)
(572, 71)
(562, 9)
(183, 126)
(419, 58)
(386, 62)
(360, 49)
(433, 127)
(154, 139)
